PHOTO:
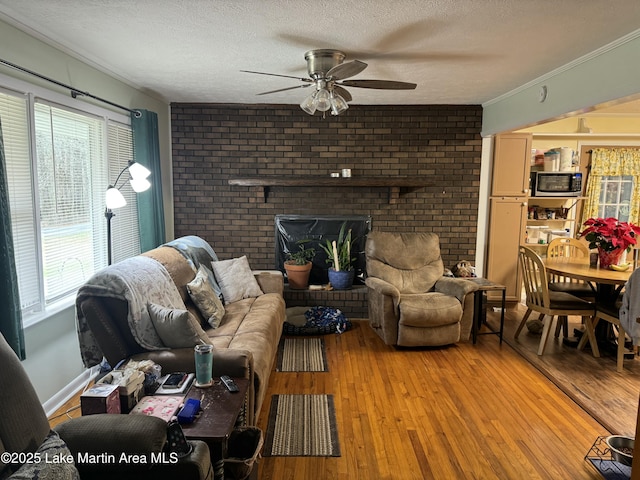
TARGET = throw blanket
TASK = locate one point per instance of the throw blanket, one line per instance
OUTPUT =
(198, 252)
(138, 280)
(630, 308)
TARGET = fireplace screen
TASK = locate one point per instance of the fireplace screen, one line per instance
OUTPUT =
(290, 229)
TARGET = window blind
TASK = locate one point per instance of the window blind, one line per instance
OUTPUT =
(59, 163)
(15, 133)
(71, 173)
(124, 225)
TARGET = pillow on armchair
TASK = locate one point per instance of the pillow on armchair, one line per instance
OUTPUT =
(52, 460)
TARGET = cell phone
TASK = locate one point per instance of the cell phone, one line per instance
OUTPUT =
(175, 380)
(176, 441)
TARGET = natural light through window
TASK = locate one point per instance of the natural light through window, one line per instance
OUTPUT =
(615, 197)
(57, 178)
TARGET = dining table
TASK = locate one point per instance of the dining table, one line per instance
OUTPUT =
(607, 283)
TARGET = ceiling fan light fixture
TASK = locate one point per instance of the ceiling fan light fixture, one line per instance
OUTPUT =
(309, 104)
(338, 104)
(323, 100)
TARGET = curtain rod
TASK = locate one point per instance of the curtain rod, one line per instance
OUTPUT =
(75, 93)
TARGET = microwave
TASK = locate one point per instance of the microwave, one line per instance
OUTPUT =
(556, 184)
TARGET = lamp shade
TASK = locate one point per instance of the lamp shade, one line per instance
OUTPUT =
(138, 171)
(139, 184)
(309, 104)
(114, 199)
(323, 100)
(338, 104)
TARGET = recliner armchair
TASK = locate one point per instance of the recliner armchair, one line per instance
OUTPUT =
(411, 303)
(95, 443)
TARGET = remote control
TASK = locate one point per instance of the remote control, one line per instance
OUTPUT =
(229, 383)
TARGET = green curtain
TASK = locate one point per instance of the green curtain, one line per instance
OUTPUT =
(146, 151)
(10, 314)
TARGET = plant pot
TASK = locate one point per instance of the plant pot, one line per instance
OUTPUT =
(298, 275)
(342, 279)
(609, 258)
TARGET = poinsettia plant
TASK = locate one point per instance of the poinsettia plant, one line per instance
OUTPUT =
(610, 233)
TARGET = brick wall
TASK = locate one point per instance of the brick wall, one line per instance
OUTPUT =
(212, 143)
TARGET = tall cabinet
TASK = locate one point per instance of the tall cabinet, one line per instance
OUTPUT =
(508, 210)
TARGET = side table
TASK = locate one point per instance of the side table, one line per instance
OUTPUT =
(485, 285)
(220, 413)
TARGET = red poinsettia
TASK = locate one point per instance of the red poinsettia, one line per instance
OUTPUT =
(609, 233)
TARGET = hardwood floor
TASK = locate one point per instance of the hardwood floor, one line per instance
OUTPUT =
(609, 396)
(464, 411)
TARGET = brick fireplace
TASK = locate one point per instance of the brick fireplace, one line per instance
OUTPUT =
(212, 144)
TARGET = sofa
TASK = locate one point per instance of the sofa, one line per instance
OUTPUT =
(116, 319)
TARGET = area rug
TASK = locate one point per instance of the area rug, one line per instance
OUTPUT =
(302, 426)
(301, 355)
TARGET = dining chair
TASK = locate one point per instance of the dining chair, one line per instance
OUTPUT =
(611, 313)
(569, 248)
(548, 303)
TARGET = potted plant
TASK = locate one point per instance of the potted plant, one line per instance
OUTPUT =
(298, 266)
(611, 237)
(341, 271)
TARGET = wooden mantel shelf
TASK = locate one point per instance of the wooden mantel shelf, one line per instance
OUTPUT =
(394, 184)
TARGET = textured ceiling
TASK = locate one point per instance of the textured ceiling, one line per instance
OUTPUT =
(458, 52)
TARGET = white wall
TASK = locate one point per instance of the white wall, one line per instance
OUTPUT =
(53, 356)
(609, 74)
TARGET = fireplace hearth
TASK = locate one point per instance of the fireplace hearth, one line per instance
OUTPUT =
(290, 229)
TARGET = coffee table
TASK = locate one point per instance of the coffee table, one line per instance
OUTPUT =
(221, 412)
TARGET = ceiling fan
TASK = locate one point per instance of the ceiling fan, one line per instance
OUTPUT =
(328, 73)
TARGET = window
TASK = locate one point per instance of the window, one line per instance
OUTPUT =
(615, 197)
(59, 162)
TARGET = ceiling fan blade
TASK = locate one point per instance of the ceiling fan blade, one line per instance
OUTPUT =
(302, 79)
(346, 70)
(342, 92)
(285, 89)
(379, 84)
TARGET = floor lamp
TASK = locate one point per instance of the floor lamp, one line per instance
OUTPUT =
(114, 199)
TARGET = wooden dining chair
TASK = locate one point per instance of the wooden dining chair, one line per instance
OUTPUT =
(548, 303)
(611, 313)
(569, 248)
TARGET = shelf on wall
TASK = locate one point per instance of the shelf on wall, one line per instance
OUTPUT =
(393, 183)
(557, 198)
(533, 221)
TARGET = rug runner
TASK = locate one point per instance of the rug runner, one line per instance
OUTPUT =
(302, 425)
(301, 355)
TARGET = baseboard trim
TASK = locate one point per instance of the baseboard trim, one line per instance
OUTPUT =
(73, 387)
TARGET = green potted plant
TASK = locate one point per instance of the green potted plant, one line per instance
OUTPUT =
(341, 271)
(298, 266)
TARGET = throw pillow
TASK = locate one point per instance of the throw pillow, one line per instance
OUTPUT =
(205, 297)
(236, 279)
(42, 465)
(176, 328)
